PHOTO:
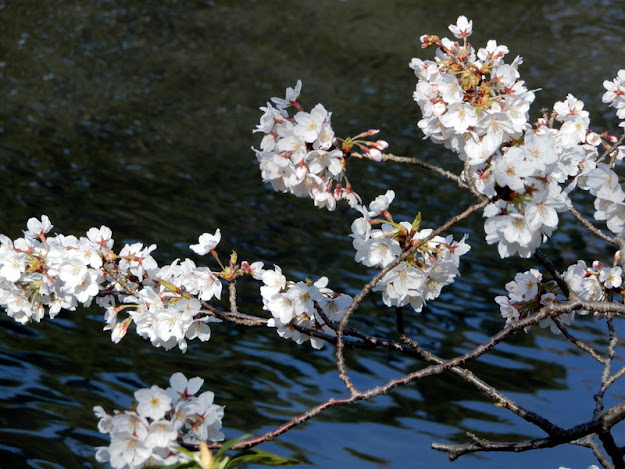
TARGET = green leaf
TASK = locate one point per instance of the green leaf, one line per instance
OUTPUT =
(179, 465)
(259, 456)
(417, 222)
(229, 444)
(184, 451)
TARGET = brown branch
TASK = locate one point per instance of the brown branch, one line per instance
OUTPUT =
(557, 435)
(422, 164)
(232, 297)
(236, 318)
(340, 360)
(578, 343)
(592, 228)
(610, 151)
(607, 368)
(589, 442)
(428, 371)
(546, 262)
(601, 424)
(618, 375)
(612, 449)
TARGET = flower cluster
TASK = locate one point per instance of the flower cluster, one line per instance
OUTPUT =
(149, 433)
(301, 154)
(525, 180)
(601, 180)
(304, 304)
(527, 293)
(475, 104)
(592, 283)
(615, 95)
(471, 102)
(40, 273)
(422, 275)
(165, 303)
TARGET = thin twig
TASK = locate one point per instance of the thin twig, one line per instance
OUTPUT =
(340, 360)
(610, 151)
(592, 228)
(618, 375)
(578, 343)
(435, 169)
(557, 435)
(546, 262)
(589, 442)
(612, 449)
(601, 424)
(607, 367)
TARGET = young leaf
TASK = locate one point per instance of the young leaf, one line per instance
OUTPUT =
(259, 456)
(229, 444)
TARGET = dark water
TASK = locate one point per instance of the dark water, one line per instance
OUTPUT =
(138, 115)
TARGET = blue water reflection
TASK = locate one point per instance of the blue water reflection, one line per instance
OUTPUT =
(138, 115)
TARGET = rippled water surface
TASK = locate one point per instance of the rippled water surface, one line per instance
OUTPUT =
(138, 115)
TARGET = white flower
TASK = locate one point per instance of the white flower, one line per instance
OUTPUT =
(459, 116)
(182, 388)
(611, 277)
(291, 96)
(153, 403)
(479, 150)
(462, 28)
(381, 203)
(206, 243)
(38, 229)
(378, 252)
(309, 125)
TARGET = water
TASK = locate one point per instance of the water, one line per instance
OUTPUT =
(138, 115)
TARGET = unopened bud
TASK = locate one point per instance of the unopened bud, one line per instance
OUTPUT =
(338, 192)
(379, 144)
(375, 154)
(593, 139)
(301, 171)
(110, 256)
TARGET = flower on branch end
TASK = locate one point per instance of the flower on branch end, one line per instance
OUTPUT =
(206, 243)
(463, 28)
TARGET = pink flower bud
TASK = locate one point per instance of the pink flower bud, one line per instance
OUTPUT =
(301, 170)
(380, 145)
(338, 192)
(375, 154)
(593, 138)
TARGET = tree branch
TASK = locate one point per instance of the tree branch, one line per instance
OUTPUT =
(373, 282)
(422, 164)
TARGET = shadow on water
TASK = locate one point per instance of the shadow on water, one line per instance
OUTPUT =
(138, 115)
